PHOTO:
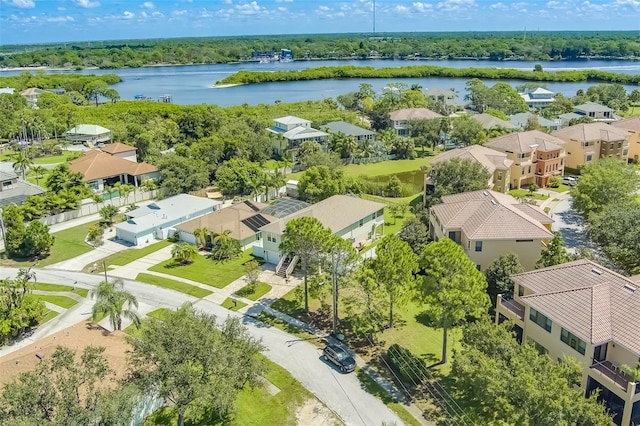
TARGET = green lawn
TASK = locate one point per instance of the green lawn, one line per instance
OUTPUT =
(59, 287)
(523, 193)
(127, 256)
(379, 169)
(260, 290)
(289, 328)
(159, 313)
(62, 301)
(173, 285)
(254, 406)
(374, 388)
(233, 304)
(68, 244)
(66, 156)
(561, 188)
(49, 315)
(207, 271)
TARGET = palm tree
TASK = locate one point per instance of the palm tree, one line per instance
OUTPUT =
(350, 147)
(21, 163)
(114, 301)
(224, 246)
(184, 253)
(275, 180)
(39, 171)
(201, 235)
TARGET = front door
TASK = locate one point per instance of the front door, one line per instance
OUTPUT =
(600, 353)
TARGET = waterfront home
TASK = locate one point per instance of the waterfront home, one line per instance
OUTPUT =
(292, 131)
(585, 311)
(488, 224)
(447, 97)
(88, 134)
(348, 129)
(596, 112)
(401, 118)
(538, 98)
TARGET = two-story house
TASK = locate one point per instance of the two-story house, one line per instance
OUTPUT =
(88, 134)
(351, 218)
(632, 125)
(536, 156)
(447, 97)
(586, 311)
(538, 98)
(496, 163)
(488, 224)
(588, 142)
(401, 118)
(292, 131)
(596, 112)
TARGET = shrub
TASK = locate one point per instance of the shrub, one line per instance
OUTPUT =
(554, 182)
(409, 368)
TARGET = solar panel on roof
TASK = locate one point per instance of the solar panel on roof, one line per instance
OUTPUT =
(255, 222)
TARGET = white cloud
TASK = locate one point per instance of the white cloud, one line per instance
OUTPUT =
(157, 14)
(60, 19)
(22, 4)
(148, 5)
(401, 9)
(455, 5)
(249, 8)
(284, 1)
(178, 13)
(632, 3)
(282, 9)
(128, 15)
(87, 4)
(422, 7)
(324, 8)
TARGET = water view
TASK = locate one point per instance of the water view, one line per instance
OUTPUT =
(192, 84)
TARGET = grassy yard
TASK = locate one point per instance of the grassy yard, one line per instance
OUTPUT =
(523, 193)
(561, 188)
(374, 388)
(255, 406)
(48, 316)
(62, 301)
(68, 244)
(63, 158)
(59, 287)
(379, 169)
(207, 271)
(173, 285)
(159, 313)
(233, 304)
(259, 290)
(127, 256)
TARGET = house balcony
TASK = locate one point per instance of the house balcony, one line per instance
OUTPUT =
(613, 373)
(511, 307)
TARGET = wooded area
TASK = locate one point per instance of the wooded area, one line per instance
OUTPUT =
(498, 46)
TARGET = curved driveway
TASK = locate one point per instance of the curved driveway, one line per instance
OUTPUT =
(341, 393)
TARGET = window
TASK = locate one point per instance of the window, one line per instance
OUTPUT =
(499, 177)
(540, 319)
(574, 341)
(361, 222)
(520, 291)
(589, 157)
(478, 267)
(541, 349)
(478, 245)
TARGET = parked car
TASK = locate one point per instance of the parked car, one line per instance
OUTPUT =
(340, 357)
(569, 180)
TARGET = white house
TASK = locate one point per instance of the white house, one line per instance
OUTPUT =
(154, 221)
(354, 219)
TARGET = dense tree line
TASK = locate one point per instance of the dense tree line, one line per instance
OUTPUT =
(426, 71)
(497, 46)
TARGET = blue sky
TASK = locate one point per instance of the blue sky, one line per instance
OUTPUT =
(33, 21)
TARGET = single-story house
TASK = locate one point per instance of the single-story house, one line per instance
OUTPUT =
(351, 218)
(14, 190)
(89, 134)
(244, 220)
(488, 121)
(349, 129)
(596, 112)
(101, 169)
(155, 220)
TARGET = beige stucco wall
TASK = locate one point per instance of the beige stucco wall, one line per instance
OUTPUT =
(527, 251)
(634, 146)
(577, 154)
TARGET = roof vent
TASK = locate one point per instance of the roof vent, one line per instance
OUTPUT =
(485, 193)
(493, 202)
(597, 271)
(630, 287)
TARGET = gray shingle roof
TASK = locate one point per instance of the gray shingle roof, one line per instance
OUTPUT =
(591, 301)
(19, 193)
(335, 212)
(592, 107)
(488, 121)
(348, 129)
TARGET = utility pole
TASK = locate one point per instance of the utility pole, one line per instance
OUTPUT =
(334, 288)
(4, 237)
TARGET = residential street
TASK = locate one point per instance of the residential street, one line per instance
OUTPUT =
(341, 393)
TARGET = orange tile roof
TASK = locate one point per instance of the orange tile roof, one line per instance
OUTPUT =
(117, 147)
(95, 164)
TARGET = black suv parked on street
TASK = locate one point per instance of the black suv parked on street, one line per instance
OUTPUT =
(340, 357)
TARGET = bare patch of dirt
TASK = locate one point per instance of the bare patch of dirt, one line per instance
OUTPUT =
(313, 413)
(76, 337)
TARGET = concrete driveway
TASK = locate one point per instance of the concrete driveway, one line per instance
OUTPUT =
(341, 393)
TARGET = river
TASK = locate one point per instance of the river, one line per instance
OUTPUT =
(192, 84)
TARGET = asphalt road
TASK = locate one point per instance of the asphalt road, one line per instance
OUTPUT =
(341, 393)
